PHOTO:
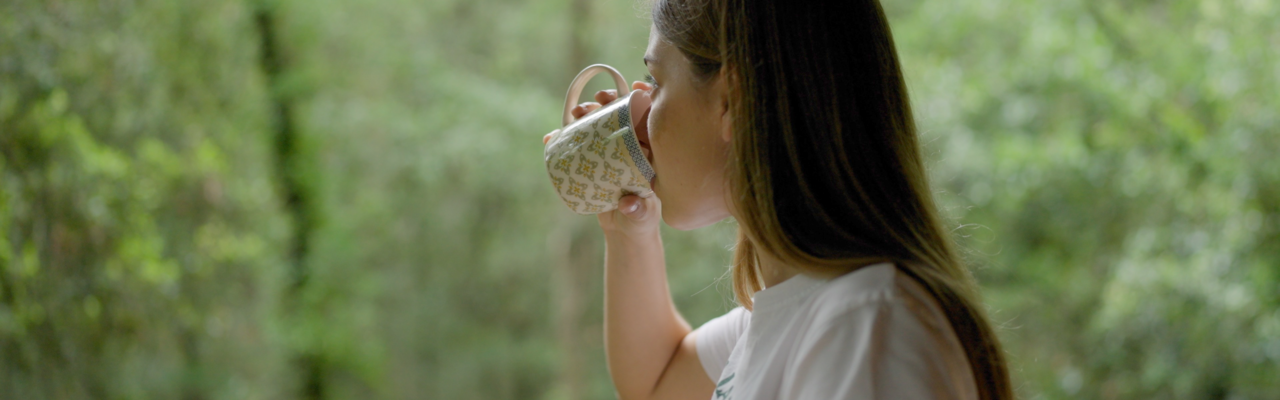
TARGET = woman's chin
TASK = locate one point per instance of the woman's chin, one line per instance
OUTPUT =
(685, 220)
(675, 221)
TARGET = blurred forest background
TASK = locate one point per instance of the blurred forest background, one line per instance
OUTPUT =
(340, 199)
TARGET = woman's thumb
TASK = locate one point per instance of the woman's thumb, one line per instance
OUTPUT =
(633, 207)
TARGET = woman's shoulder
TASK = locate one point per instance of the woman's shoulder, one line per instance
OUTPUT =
(898, 328)
(870, 286)
(871, 294)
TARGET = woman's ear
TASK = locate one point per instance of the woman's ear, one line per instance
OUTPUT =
(726, 125)
(722, 85)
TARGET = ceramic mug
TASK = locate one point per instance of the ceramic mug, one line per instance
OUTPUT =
(597, 159)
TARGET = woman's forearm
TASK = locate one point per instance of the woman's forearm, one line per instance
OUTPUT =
(642, 327)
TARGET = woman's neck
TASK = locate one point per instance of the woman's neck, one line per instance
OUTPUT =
(774, 271)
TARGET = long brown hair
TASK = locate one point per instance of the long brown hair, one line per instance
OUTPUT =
(826, 172)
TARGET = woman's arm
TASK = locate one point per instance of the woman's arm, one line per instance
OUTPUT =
(650, 349)
(648, 345)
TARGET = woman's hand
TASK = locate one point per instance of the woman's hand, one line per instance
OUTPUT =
(636, 218)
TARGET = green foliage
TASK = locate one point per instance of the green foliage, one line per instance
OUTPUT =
(1110, 166)
(140, 224)
(1115, 164)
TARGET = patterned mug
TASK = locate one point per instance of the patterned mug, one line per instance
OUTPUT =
(596, 160)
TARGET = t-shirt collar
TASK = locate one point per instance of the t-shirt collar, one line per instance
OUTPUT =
(784, 293)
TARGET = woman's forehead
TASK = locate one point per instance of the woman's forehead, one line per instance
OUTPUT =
(657, 50)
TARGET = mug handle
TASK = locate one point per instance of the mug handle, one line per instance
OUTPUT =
(580, 82)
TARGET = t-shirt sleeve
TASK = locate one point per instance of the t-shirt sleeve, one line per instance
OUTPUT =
(716, 338)
(871, 351)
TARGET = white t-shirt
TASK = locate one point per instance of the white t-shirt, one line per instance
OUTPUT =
(870, 334)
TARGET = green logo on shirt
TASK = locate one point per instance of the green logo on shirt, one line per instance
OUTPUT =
(724, 394)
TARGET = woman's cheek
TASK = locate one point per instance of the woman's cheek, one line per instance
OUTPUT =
(657, 129)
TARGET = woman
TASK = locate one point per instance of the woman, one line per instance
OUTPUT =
(792, 118)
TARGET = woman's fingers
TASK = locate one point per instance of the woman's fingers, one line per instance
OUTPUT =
(606, 96)
(636, 216)
(583, 109)
(603, 97)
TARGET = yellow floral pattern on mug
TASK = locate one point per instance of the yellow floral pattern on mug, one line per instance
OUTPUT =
(617, 153)
(579, 138)
(563, 164)
(587, 168)
(611, 175)
(597, 146)
(578, 190)
(557, 181)
(603, 194)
